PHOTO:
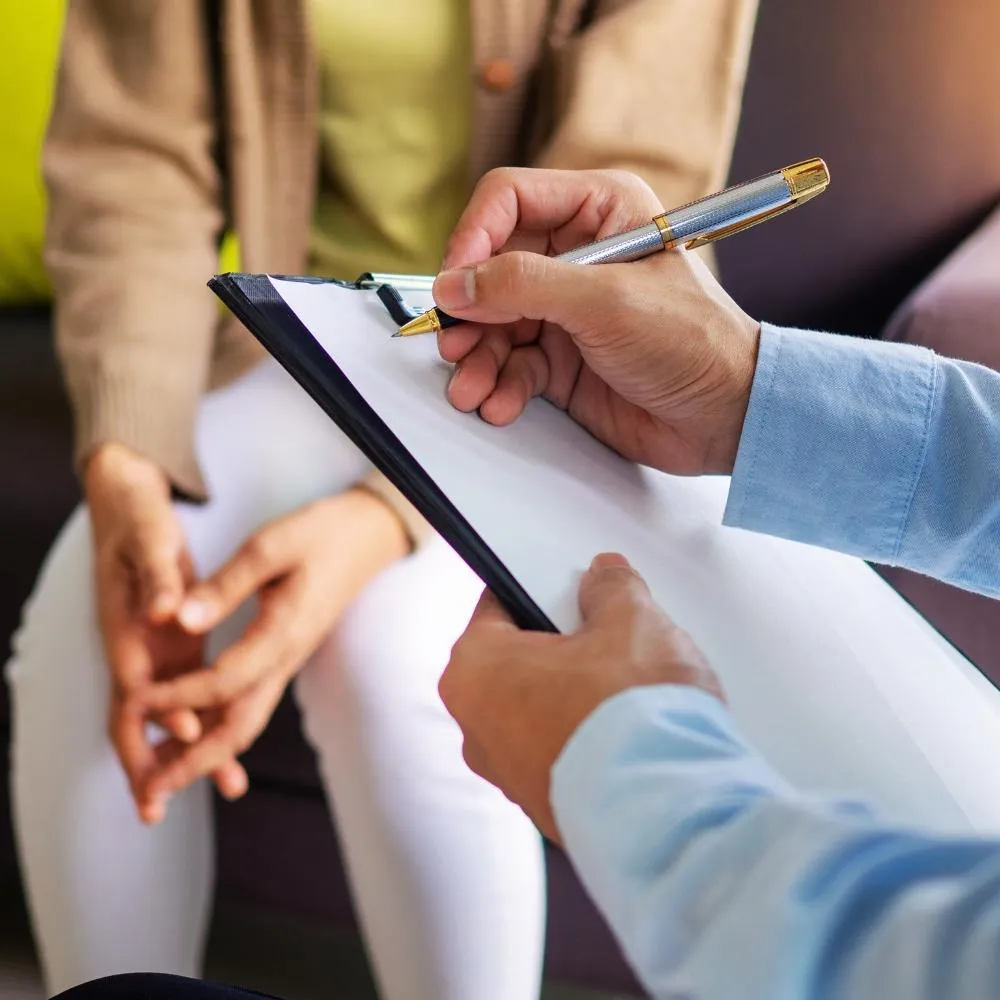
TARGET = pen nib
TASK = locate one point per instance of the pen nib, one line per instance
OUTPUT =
(427, 323)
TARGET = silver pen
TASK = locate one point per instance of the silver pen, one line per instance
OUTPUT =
(696, 224)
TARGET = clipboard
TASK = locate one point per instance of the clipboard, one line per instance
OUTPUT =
(252, 298)
(829, 673)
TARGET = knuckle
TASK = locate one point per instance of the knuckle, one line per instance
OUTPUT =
(183, 774)
(498, 177)
(217, 685)
(446, 688)
(457, 652)
(473, 758)
(260, 550)
(242, 740)
(491, 184)
(125, 685)
(451, 685)
(512, 271)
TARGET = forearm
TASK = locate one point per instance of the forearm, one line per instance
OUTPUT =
(723, 883)
(880, 450)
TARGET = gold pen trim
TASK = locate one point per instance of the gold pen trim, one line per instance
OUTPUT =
(666, 233)
(427, 322)
(807, 179)
(739, 227)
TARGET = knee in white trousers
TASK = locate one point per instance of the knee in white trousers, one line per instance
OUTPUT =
(447, 875)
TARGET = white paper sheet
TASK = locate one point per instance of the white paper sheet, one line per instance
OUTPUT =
(831, 675)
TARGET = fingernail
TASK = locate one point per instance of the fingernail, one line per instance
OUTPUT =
(190, 729)
(606, 560)
(194, 614)
(155, 811)
(162, 603)
(455, 289)
(453, 381)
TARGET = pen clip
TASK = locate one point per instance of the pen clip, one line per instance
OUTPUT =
(739, 227)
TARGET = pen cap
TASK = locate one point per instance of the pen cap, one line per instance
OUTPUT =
(807, 179)
(743, 205)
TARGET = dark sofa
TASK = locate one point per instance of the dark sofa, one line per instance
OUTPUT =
(901, 100)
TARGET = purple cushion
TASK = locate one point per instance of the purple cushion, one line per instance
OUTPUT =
(956, 311)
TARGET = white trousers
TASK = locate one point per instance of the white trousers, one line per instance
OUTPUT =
(447, 875)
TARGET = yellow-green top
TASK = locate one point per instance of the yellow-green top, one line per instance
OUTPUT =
(394, 133)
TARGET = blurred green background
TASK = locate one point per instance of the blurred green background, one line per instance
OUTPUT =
(29, 43)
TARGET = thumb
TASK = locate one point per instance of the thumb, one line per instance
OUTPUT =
(612, 591)
(490, 613)
(157, 551)
(521, 285)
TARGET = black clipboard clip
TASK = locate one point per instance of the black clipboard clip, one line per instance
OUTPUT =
(387, 288)
(395, 305)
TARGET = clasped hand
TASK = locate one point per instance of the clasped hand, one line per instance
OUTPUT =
(303, 569)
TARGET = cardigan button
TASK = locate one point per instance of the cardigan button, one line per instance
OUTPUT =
(498, 75)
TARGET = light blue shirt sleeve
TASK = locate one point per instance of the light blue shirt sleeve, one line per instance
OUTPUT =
(884, 451)
(720, 880)
(723, 883)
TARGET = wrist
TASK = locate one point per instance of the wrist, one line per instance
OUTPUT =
(413, 524)
(381, 524)
(115, 465)
(741, 362)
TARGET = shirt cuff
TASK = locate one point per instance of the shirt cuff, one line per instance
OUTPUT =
(833, 441)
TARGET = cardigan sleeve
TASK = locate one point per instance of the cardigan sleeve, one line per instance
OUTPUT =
(134, 217)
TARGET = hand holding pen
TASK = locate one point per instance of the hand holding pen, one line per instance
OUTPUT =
(653, 358)
(693, 225)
